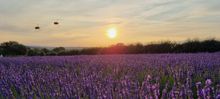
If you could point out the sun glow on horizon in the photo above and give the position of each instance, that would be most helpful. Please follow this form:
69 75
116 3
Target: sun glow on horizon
112 33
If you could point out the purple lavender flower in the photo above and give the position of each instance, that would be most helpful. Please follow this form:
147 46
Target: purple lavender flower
157 76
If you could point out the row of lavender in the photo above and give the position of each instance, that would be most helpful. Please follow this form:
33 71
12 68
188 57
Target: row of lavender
156 76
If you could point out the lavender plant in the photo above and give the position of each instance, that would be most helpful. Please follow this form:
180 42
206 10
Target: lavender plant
158 76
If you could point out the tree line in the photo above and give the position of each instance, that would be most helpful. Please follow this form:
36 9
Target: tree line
13 48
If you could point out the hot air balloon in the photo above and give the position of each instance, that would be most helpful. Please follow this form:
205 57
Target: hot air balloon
56 23
37 28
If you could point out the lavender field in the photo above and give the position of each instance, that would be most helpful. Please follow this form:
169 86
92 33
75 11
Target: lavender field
156 76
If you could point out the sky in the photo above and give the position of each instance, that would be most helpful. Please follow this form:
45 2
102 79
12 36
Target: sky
83 23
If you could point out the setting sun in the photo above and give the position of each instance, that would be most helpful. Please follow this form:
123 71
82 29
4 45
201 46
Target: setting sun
112 33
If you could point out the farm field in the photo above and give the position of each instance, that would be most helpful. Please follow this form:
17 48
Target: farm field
143 76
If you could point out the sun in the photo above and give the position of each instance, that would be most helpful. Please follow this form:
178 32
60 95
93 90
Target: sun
112 33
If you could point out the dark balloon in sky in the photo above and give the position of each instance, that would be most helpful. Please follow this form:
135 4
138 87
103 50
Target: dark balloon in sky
37 28
56 23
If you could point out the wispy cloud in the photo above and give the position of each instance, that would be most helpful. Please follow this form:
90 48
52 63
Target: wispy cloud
86 19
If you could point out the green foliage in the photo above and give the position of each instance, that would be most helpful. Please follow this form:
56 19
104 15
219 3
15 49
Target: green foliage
166 79
35 52
12 48
15 93
141 76
58 50
107 71
1 96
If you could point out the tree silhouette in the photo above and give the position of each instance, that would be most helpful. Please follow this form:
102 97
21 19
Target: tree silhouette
13 48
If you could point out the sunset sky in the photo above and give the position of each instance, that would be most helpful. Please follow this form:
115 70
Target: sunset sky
84 23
